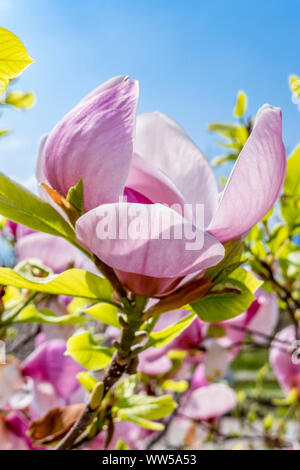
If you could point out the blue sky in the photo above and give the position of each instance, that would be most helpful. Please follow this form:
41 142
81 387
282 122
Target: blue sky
190 56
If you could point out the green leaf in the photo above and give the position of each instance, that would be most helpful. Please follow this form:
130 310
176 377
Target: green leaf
223 306
292 180
231 157
144 423
87 352
86 380
278 237
30 314
106 313
240 104
23 207
143 409
20 99
231 260
75 197
121 445
247 278
12 297
290 202
294 83
177 386
13 58
226 130
126 387
164 337
73 282
4 132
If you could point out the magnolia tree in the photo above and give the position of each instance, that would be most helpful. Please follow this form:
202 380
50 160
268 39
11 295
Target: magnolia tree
165 305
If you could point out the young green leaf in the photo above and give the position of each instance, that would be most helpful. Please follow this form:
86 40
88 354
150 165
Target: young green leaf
164 337
30 314
20 99
73 282
87 352
231 260
223 306
240 104
24 207
143 409
106 313
75 197
13 58
86 380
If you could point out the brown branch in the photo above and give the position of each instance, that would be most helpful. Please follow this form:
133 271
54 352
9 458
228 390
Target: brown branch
109 273
124 360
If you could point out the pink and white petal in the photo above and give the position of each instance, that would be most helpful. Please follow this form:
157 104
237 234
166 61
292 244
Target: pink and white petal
163 143
49 364
266 318
256 179
209 402
147 239
54 252
94 142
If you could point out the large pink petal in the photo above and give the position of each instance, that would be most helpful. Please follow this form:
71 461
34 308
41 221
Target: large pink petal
158 247
209 402
49 364
285 367
94 142
162 142
256 179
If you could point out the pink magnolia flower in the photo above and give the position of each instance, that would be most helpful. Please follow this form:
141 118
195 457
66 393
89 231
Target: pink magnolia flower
208 402
162 166
285 366
54 377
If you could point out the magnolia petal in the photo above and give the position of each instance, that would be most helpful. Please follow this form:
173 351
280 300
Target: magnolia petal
281 358
256 179
162 142
49 364
209 402
94 142
147 239
154 184
54 252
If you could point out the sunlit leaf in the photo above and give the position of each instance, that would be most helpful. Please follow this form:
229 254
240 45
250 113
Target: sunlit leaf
106 313
143 409
87 352
13 58
86 380
73 282
240 104
24 207
30 314
164 337
223 306
20 99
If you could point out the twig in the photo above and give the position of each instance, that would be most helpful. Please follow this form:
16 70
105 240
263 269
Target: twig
124 359
109 273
